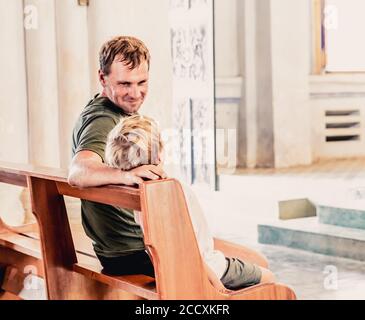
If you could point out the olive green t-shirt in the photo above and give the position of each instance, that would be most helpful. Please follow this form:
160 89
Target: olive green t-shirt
113 230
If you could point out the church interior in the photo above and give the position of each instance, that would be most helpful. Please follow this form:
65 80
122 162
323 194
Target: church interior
262 107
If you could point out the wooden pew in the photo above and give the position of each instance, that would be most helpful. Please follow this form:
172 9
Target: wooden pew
70 268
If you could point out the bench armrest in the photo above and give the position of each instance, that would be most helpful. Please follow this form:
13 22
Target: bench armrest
241 252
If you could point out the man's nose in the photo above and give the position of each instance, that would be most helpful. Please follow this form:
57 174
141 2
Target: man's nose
135 92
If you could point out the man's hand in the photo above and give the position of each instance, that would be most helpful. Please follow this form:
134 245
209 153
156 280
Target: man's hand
136 175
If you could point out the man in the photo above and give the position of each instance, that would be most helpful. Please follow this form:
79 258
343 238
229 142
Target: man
123 74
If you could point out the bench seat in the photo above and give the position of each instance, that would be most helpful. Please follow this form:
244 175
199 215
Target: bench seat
88 265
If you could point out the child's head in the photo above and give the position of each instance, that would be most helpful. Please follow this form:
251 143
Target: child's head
133 142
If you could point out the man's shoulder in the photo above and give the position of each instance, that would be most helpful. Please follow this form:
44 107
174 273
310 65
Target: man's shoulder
99 110
94 123
99 107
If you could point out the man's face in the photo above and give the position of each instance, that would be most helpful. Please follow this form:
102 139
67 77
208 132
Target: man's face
126 88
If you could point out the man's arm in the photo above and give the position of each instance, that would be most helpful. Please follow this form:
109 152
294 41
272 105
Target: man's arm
88 170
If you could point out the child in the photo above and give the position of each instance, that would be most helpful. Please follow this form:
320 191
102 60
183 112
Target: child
136 141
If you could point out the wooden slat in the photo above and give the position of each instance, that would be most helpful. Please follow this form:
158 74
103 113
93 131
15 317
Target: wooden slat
120 196
140 285
33 171
21 244
13 178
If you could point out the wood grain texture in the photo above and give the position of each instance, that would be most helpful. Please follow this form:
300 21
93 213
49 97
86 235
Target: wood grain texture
21 244
13 178
119 196
28 170
140 285
58 251
174 251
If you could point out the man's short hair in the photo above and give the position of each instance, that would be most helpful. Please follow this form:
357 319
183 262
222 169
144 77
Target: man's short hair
129 50
134 141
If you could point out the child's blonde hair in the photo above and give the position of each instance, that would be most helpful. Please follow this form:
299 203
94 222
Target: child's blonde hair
133 142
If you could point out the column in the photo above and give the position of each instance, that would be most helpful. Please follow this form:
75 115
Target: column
13 102
73 70
41 60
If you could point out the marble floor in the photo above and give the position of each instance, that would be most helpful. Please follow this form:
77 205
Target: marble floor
314 276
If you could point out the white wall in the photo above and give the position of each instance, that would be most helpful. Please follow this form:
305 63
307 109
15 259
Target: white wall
345 49
13 104
73 73
290 65
41 59
274 115
226 37
13 97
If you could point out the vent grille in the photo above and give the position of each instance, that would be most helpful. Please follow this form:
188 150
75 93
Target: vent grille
342 125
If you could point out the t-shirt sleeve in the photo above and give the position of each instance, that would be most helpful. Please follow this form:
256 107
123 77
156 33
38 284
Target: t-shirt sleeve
93 136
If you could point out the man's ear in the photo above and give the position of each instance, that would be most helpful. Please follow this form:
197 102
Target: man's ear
102 77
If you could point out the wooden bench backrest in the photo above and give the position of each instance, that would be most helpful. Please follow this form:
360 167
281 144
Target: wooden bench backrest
180 273
169 234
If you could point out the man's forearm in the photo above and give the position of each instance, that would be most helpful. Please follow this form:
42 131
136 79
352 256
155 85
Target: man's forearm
90 174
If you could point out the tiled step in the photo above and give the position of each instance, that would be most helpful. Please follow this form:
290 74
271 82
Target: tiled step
350 218
310 235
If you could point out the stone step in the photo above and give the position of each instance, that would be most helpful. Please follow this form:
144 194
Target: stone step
310 235
350 218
